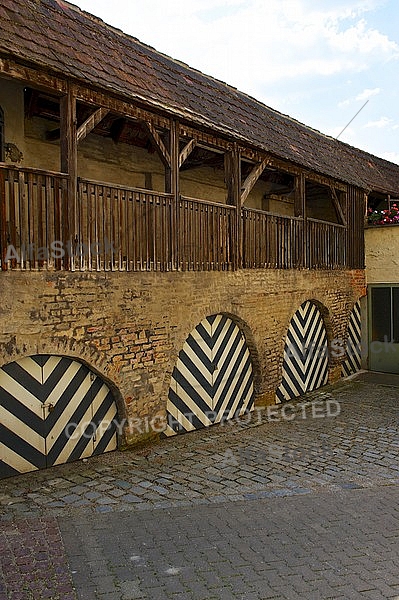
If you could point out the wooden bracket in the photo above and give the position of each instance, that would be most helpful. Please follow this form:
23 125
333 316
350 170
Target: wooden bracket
90 123
185 153
252 179
338 206
164 152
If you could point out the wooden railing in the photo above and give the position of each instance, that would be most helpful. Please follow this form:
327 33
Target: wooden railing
205 234
288 242
123 228
271 241
33 217
325 245
128 229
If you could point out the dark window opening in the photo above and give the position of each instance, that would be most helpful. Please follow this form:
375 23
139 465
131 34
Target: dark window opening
324 203
377 201
275 190
385 314
381 314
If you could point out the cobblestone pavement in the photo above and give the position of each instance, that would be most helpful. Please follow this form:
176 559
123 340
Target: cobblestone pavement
338 545
317 475
33 563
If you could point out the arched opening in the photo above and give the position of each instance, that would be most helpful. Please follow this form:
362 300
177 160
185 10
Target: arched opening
53 410
353 354
212 380
305 361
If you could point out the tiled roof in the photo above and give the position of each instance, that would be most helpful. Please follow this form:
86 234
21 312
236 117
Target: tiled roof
59 37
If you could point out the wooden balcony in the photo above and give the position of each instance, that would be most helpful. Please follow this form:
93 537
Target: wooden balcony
115 228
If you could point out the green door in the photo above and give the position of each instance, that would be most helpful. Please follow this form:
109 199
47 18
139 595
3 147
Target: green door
384 328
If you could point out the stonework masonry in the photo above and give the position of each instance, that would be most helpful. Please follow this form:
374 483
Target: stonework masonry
130 327
382 254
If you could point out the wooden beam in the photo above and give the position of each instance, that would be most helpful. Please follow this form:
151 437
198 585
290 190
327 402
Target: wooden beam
90 123
3 220
252 179
163 151
172 171
207 140
338 206
120 107
69 165
185 153
172 186
232 174
299 198
40 79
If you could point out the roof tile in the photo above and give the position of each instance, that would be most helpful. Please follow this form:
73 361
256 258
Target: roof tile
59 36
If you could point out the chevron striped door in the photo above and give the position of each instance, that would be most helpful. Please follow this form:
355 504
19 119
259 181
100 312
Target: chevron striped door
212 380
352 362
53 410
305 362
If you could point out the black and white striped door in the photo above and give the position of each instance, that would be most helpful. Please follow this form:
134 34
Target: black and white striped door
212 380
352 362
305 363
53 410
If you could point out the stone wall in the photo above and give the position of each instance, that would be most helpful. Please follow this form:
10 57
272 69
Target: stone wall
382 254
130 327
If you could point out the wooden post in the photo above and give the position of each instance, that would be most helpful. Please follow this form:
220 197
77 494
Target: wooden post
300 211
232 170
3 220
69 165
172 186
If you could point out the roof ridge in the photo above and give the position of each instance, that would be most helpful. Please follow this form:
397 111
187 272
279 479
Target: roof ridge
122 33
107 57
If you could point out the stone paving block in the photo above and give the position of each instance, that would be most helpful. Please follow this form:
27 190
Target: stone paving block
260 505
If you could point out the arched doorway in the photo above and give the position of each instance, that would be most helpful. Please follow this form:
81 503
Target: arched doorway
352 362
53 410
305 362
213 377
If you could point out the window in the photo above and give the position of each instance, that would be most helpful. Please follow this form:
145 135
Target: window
324 203
385 314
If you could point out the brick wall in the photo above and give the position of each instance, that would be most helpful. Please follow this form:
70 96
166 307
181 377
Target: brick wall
130 327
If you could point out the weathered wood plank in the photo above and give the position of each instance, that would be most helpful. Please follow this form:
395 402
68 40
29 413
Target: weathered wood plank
41 79
163 151
185 153
232 173
252 179
91 123
337 205
69 165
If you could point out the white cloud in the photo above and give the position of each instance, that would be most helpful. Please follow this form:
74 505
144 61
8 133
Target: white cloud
363 41
253 42
365 94
299 56
380 123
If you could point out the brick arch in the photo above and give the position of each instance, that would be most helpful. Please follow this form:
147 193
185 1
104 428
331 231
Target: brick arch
252 347
304 362
242 323
352 360
90 356
212 378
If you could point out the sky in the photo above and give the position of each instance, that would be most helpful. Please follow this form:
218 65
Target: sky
318 61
